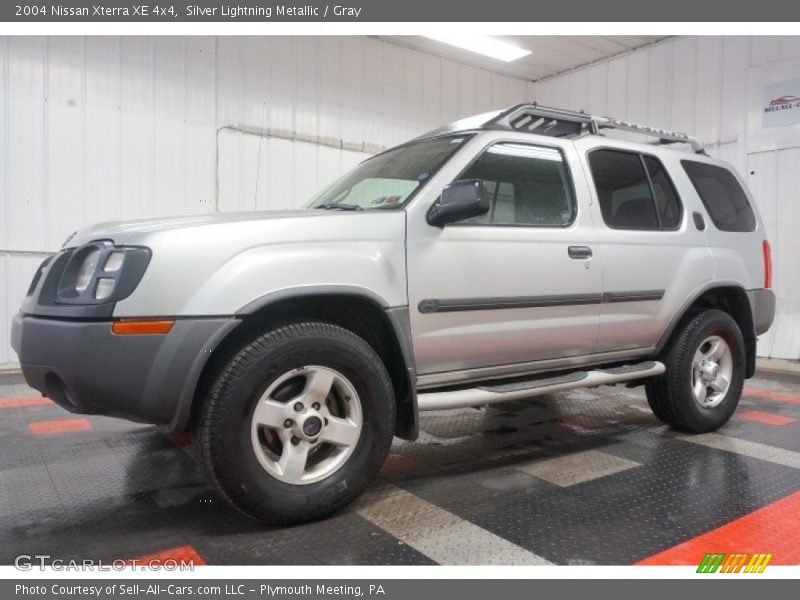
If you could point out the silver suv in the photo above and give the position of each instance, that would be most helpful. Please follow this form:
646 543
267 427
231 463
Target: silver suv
508 255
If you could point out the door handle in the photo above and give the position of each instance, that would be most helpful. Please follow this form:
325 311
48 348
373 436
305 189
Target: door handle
579 252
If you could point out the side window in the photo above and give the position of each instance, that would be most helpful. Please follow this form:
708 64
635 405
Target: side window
723 197
634 191
527 185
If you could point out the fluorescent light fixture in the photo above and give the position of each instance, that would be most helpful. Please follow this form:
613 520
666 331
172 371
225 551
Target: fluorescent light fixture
483 44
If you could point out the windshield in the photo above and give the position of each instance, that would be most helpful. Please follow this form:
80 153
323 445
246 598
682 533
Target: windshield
388 180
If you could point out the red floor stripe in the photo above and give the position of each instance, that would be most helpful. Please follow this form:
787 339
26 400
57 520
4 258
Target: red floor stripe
27 401
765 417
774 528
182 555
59 426
772 395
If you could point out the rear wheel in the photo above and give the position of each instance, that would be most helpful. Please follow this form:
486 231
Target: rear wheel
297 423
705 374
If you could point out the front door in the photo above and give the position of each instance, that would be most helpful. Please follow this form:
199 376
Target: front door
517 285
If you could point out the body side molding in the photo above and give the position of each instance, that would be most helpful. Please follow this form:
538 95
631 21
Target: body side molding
497 303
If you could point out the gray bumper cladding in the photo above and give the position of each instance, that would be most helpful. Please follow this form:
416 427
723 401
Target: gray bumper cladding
85 368
762 303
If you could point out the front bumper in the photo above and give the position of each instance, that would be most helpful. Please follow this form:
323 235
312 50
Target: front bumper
85 368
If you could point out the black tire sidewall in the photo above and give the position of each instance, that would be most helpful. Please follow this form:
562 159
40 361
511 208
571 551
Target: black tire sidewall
248 484
704 325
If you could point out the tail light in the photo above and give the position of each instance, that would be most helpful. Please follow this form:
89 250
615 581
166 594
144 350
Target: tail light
767 264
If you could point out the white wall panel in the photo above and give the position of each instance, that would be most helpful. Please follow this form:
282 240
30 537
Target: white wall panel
579 89
708 100
331 88
6 353
65 187
598 89
448 107
786 333
169 126
351 101
26 166
201 106
637 85
505 91
699 85
137 123
4 154
483 92
102 159
766 49
659 79
684 84
617 93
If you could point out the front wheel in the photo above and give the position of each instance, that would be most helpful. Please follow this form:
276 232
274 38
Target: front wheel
704 377
297 423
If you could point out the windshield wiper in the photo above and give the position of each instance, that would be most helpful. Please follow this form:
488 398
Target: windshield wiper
339 206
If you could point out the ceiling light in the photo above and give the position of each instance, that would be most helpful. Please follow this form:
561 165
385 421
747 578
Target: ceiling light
482 44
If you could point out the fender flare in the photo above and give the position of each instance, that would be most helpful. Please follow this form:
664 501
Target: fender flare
397 317
749 336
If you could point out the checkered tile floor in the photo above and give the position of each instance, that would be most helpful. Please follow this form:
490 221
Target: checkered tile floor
584 477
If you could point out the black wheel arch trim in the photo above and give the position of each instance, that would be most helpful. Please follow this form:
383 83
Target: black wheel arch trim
397 317
760 322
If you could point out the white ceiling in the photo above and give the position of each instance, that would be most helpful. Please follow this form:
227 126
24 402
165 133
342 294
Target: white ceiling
550 54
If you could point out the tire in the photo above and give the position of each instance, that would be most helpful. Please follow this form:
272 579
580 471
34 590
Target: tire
672 395
241 451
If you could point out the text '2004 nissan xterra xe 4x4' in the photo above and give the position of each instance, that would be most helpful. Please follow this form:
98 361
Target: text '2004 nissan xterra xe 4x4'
509 255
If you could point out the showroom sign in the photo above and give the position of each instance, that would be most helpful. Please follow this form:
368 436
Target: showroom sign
773 107
781 103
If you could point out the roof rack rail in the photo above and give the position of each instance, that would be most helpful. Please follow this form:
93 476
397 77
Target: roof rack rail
557 122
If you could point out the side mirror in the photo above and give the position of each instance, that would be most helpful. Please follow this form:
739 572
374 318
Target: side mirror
460 200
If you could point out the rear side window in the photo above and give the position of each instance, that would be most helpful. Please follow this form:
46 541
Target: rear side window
723 197
634 191
526 184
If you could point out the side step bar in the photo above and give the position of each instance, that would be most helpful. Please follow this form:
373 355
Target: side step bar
489 394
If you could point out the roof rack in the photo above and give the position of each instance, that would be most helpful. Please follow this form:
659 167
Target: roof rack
557 122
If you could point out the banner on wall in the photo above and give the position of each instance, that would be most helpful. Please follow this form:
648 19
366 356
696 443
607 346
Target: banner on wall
773 116
781 103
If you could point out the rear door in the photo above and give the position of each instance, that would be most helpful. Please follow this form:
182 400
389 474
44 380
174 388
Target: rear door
654 256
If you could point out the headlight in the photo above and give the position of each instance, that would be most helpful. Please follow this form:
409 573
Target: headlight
114 262
100 272
105 285
86 271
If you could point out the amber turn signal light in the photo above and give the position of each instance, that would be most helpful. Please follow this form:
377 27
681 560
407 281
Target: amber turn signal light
141 327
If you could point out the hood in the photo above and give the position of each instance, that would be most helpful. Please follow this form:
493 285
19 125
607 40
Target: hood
120 232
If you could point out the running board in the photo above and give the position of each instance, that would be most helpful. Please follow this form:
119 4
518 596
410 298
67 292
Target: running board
503 392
